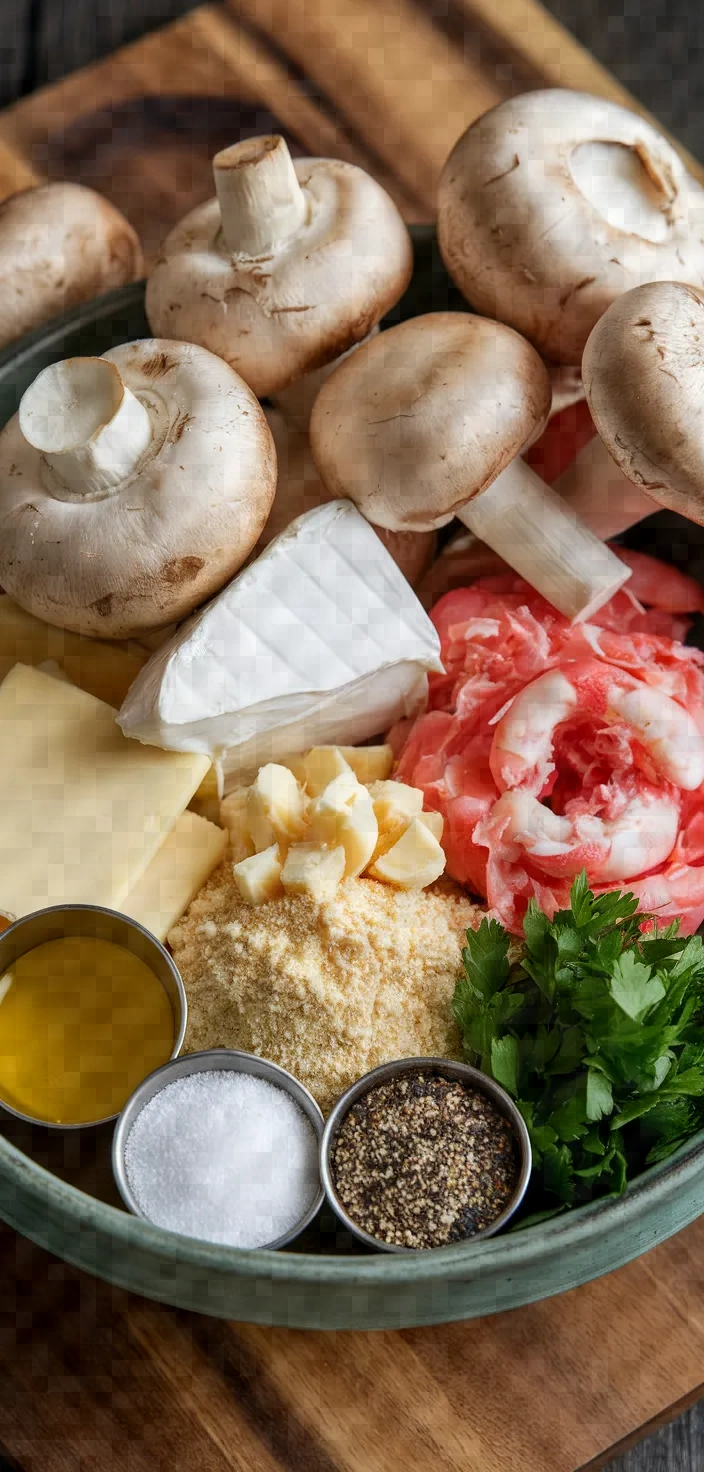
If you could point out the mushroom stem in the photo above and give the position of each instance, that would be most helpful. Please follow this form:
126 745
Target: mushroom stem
86 423
261 201
526 522
595 489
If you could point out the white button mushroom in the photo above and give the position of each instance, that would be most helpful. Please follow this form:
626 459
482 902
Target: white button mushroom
426 422
642 370
299 488
555 203
60 244
289 266
132 487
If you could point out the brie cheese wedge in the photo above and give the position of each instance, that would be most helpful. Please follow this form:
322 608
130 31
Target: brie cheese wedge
320 640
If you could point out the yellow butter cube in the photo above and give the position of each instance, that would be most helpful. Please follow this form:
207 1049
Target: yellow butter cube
369 763
321 765
275 807
311 869
258 878
394 801
344 814
434 822
415 861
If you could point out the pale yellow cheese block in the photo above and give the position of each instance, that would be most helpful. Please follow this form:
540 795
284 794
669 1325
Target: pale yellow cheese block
176 873
83 809
104 670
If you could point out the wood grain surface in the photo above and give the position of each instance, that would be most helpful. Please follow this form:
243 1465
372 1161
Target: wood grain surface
95 1378
92 1377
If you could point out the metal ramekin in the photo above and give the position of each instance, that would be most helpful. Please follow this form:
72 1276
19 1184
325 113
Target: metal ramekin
216 1060
446 1068
100 924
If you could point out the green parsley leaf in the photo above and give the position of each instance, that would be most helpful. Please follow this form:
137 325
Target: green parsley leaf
600 1099
486 957
504 1063
558 1173
581 900
634 987
600 1026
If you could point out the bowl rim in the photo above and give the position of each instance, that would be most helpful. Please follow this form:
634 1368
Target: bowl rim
565 1232
215 1060
440 1067
81 1212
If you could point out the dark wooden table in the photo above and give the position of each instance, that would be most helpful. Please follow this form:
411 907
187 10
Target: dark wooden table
93 1378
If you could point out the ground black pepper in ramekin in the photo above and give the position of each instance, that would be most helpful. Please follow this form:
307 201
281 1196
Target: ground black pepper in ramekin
422 1160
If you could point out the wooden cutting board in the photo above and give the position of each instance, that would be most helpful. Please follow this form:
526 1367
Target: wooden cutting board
93 1378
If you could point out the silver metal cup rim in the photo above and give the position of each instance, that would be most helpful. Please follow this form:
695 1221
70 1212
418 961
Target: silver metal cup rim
450 1068
214 1060
180 1030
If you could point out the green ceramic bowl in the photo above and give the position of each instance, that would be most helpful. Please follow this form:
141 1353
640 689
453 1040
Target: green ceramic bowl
326 1282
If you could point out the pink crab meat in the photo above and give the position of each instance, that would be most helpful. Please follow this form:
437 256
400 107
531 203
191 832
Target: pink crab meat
550 748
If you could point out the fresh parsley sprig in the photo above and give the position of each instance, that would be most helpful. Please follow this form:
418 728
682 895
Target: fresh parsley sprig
597 1031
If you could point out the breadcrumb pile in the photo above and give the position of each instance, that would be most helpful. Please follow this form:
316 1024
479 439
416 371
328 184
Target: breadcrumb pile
327 990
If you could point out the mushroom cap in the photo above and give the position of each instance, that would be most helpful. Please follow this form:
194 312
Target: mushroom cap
554 203
147 552
426 415
299 488
274 318
643 371
60 244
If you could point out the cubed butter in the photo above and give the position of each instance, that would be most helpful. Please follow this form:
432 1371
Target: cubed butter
394 801
344 814
311 869
259 878
275 807
369 763
321 765
394 805
415 861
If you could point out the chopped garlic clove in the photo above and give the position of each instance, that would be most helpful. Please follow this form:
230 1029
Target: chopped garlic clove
258 878
388 836
297 765
414 862
344 814
434 822
394 801
310 869
233 817
394 806
369 763
322 764
275 807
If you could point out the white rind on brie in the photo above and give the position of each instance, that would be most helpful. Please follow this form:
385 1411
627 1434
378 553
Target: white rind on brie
320 640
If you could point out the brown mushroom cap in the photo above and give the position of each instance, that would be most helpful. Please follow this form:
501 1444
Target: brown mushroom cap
555 203
299 488
292 308
643 372
425 416
60 244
